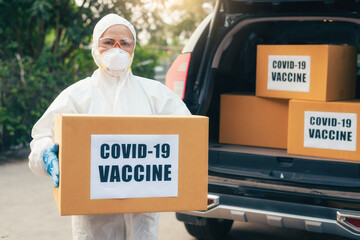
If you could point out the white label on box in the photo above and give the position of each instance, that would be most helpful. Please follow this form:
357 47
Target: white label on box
330 130
134 166
289 73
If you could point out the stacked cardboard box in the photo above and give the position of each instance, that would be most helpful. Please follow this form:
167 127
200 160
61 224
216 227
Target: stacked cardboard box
308 72
324 129
315 79
253 121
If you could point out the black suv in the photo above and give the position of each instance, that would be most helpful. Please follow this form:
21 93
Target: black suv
254 184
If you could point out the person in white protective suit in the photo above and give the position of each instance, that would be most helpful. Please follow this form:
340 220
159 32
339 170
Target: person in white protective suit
112 89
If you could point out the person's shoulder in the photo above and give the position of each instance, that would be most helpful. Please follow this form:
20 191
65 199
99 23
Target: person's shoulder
156 88
166 101
81 84
75 89
148 81
151 83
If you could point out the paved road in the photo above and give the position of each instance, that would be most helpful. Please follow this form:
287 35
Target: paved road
28 211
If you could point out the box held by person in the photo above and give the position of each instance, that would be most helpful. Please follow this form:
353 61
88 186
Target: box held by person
127 164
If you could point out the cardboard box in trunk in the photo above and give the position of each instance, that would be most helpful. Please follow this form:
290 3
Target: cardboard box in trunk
253 121
310 72
127 164
324 129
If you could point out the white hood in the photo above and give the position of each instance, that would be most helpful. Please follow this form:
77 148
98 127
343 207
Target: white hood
106 22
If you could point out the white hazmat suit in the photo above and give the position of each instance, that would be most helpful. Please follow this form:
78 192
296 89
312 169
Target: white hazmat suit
105 93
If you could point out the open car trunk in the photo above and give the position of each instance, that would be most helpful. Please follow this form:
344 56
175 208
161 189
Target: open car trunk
263 184
232 68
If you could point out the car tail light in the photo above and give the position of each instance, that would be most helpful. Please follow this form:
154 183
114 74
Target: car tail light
353 221
212 201
177 74
350 221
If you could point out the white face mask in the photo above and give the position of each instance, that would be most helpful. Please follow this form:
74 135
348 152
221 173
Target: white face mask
115 61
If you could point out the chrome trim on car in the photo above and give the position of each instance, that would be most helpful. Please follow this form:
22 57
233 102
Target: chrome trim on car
342 216
276 219
215 202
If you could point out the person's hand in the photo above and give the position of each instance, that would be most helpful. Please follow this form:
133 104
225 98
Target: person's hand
51 160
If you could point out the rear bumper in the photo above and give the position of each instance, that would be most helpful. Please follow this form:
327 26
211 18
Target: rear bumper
279 214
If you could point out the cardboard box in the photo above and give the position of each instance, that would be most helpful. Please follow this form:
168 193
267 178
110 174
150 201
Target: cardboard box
253 121
309 72
324 129
127 164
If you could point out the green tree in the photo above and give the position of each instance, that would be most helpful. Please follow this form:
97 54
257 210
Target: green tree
43 50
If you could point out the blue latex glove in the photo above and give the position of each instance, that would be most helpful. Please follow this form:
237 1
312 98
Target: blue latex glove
51 160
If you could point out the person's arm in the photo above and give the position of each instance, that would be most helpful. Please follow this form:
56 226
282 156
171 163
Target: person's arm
43 132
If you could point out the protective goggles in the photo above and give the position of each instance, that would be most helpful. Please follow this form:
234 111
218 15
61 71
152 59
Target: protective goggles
125 43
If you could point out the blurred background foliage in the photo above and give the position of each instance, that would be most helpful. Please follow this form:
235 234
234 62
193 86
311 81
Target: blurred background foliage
45 47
